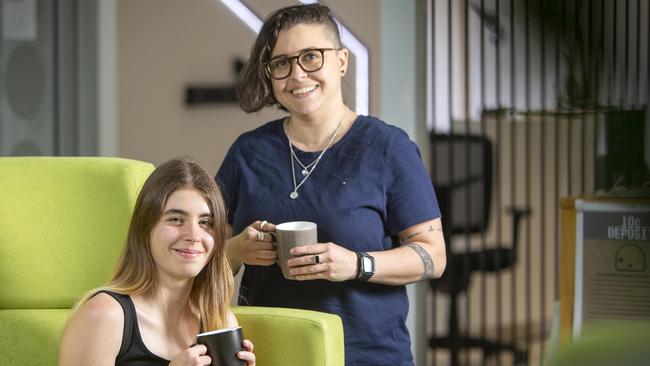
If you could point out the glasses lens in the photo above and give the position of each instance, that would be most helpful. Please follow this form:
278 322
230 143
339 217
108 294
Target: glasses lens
280 67
311 60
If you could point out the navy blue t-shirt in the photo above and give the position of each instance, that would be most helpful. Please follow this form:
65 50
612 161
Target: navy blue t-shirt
367 188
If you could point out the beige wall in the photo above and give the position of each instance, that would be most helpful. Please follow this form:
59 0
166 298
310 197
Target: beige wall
164 45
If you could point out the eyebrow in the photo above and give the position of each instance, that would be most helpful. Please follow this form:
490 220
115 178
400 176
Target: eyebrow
184 213
298 52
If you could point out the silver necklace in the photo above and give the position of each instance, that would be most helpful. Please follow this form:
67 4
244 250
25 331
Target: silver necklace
294 194
305 168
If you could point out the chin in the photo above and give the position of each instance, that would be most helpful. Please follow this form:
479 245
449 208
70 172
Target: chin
191 272
303 109
302 106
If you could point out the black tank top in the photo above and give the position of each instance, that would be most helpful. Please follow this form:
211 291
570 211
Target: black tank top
133 352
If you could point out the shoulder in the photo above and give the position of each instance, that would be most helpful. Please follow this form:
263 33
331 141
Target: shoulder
101 313
102 307
96 326
377 130
383 139
231 320
253 137
249 146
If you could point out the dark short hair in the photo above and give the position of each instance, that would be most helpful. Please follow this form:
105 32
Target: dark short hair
255 90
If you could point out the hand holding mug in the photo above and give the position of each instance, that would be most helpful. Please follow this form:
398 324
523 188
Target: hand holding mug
195 355
227 347
290 235
248 354
322 261
257 244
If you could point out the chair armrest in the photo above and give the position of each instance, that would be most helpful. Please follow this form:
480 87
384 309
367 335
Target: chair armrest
292 337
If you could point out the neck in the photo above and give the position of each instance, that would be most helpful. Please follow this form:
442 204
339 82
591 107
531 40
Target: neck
167 319
313 133
172 296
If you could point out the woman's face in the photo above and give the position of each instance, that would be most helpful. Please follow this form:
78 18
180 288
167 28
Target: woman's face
307 93
183 239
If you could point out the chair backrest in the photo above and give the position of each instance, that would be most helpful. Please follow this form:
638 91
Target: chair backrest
63 223
461 171
293 337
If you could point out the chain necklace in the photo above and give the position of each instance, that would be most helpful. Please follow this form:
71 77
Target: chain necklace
305 168
294 194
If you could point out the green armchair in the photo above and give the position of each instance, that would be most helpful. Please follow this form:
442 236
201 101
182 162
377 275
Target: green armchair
292 337
63 222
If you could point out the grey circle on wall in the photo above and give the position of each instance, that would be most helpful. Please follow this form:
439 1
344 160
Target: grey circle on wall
26 148
25 78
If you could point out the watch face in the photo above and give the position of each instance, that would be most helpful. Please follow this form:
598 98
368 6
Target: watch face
367 265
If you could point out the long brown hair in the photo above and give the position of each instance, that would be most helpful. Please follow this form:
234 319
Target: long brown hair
255 90
135 273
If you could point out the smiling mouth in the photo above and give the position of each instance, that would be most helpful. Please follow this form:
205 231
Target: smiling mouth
187 253
303 91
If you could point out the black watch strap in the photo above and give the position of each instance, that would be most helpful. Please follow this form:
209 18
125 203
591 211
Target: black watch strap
365 266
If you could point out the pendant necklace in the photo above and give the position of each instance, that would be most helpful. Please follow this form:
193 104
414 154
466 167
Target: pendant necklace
305 168
308 169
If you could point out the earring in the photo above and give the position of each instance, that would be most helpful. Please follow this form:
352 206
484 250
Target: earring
342 72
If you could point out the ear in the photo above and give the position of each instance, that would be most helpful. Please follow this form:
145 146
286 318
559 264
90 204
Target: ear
343 55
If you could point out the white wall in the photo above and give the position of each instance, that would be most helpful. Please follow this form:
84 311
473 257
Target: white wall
401 105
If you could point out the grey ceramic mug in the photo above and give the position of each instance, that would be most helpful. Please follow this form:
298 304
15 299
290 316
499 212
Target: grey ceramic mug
223 345
293 234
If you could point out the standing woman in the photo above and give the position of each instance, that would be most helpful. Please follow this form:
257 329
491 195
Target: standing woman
359 179
172 281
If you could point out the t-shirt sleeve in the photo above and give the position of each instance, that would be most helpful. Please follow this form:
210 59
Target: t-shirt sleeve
227 178
410 196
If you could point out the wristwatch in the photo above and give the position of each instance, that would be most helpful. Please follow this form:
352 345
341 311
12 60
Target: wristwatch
365 266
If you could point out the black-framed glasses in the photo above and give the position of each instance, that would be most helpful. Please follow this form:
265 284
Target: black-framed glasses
309 60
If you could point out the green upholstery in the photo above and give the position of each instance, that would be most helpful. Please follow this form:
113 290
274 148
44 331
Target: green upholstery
31 336
616 343
63 222
291 337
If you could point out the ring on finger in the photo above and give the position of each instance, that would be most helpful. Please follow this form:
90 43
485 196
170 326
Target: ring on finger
317 259
260 235
262 225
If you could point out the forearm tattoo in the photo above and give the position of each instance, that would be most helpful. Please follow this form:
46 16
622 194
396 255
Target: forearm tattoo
410 237
426 260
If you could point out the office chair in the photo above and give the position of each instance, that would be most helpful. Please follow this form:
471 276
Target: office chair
462 176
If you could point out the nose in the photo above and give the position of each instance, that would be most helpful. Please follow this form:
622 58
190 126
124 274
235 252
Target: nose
192 232
296 70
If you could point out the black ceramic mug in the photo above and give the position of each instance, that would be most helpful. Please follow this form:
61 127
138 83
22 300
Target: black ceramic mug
223 345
